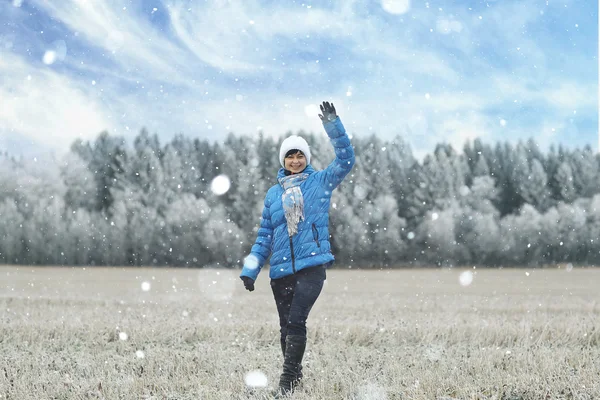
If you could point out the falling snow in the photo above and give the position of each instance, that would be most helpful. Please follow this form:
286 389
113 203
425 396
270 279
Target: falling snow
160 205
256 379
569 267
466 278
396 6
251 262
220 185
49 57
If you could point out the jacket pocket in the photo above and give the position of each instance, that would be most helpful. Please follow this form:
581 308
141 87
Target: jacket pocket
316 235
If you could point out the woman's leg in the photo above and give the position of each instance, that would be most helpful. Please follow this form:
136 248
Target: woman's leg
309 283
283 292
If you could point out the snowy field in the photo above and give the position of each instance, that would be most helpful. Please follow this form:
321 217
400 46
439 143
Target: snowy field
100 333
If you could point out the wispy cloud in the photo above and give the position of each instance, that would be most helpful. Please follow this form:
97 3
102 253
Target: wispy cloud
127 40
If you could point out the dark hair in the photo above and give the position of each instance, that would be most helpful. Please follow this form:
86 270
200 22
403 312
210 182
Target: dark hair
292 151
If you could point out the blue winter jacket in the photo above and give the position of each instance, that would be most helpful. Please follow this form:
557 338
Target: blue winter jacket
310 246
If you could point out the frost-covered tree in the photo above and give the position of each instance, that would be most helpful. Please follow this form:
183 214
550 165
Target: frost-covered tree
80 244
564 183
480 196
482 238
481 167
375 233
436 234
80 183
173 169
220 231
144 236
107 203
436 183
401 161
503 171
185 220
388 237
571 231
478 230
105 158
478 156
11 233
44 233
349 233
243 201
535 191
592 237
585 172
551 165
524 230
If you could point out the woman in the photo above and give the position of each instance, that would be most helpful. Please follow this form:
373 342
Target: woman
294 232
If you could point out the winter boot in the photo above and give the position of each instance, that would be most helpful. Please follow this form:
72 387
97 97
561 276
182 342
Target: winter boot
294 351
299 376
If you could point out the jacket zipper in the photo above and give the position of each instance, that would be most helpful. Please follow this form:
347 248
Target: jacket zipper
293 257
316 235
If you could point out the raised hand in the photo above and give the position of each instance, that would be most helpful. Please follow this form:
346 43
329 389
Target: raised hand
327 112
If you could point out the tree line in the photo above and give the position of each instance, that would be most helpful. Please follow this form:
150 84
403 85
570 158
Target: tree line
146 204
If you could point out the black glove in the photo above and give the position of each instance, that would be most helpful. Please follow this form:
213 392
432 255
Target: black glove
328 112
248 283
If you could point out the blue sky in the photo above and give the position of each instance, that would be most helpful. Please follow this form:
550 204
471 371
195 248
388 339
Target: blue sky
437 71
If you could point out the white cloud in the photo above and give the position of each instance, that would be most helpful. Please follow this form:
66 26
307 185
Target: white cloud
451 102
547 134
461 128
454 129
250 117
571 96
565 96
409 61
45 106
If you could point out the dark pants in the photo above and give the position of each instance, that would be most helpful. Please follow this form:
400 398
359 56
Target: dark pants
295 295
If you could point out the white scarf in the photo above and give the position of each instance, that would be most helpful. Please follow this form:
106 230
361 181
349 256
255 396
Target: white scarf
293 200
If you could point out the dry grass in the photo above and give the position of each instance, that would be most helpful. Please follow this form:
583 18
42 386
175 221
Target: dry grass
408 334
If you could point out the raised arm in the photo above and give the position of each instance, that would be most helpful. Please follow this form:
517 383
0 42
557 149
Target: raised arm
261 250
344 153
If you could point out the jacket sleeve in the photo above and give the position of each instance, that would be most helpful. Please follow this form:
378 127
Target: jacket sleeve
261 250
344 153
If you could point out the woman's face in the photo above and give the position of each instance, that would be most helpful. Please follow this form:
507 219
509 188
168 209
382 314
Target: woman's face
295 163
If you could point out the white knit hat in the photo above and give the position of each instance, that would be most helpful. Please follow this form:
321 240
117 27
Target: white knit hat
294 143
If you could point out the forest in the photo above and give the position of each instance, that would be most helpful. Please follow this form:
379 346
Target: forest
109 202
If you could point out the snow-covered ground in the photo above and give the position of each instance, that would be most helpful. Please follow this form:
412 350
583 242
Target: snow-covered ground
189 334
